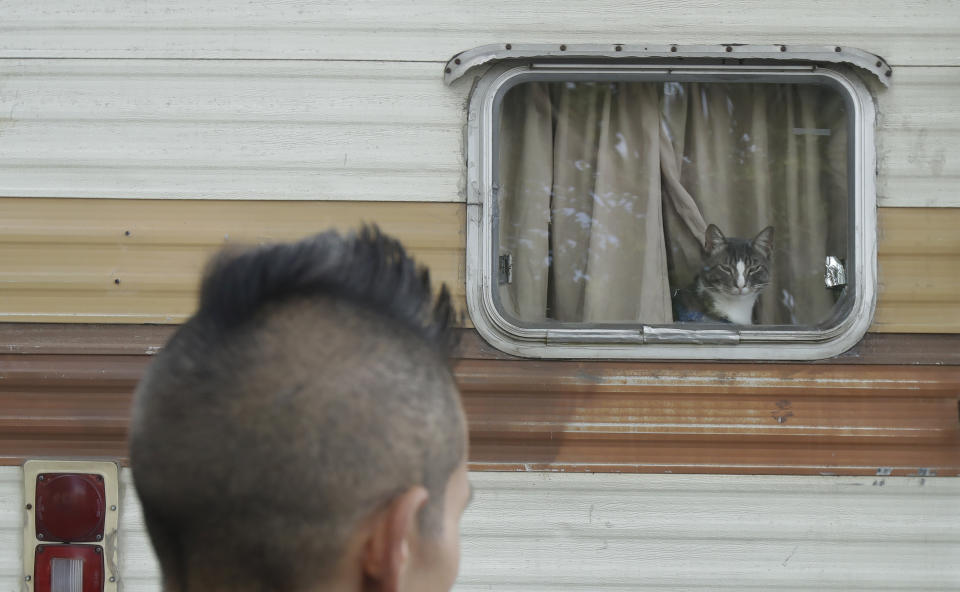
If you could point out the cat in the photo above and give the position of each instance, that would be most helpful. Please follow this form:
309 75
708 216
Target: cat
734 273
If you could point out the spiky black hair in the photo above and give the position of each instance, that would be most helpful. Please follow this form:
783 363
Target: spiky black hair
368 269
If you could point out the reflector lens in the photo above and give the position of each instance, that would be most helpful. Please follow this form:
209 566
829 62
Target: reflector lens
68 568
71 507
66 575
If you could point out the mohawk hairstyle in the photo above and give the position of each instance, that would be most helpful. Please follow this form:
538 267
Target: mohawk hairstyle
369 269
311 386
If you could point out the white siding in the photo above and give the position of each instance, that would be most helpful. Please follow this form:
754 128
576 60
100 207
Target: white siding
338 100
906 32
11 528
229 129
251 129
540 532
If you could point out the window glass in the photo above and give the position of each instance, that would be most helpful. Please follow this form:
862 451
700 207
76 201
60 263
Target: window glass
672 202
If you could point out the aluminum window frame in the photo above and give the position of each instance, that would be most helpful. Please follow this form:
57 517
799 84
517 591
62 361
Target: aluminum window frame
674 341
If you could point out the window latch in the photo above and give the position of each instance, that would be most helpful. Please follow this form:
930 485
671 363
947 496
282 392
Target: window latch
505 268
835 274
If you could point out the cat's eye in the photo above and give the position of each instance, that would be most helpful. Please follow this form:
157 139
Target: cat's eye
599 188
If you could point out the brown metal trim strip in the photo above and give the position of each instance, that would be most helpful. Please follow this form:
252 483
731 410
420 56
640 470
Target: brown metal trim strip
580 416
117 339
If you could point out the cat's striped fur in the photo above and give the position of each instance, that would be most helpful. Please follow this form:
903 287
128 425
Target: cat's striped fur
734 272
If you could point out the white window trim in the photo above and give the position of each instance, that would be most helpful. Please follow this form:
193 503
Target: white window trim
642 341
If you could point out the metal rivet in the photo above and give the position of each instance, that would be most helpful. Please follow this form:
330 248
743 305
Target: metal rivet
117 281
618 48
40 477
888 73
113 579
29 506
783 48
40 536
457 61
673 48
98 550
563 48
447 70
879 63
113 508
27 578
837 49
728 48
509 46
99 537
126 233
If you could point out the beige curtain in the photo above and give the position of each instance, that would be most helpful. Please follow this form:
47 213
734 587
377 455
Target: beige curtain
603 184
755 155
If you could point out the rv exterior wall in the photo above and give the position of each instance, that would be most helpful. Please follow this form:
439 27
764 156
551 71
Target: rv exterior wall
136 138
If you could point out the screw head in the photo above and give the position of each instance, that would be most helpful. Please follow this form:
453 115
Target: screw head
99 537
113 579
113 508
29 506
27 578
40 535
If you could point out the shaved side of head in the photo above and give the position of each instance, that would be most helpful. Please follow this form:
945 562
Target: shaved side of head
310 388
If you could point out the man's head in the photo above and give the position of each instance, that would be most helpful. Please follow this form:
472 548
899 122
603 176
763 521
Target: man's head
302 430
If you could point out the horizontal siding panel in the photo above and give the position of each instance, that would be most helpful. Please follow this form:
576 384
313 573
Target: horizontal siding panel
228 129
63 260
617 532
918 279
910 32
580 416
11 528
536 532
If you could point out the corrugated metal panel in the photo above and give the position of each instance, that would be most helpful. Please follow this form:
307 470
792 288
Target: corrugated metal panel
908 32
60 258
547 532
330 130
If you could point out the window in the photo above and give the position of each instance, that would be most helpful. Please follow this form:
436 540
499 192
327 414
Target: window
671 204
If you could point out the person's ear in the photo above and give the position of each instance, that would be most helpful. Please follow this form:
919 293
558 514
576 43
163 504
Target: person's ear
387 552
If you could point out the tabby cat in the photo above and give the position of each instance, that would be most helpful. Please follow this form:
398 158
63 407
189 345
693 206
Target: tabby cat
734 272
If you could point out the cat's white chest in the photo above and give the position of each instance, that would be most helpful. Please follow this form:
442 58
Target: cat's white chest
738 309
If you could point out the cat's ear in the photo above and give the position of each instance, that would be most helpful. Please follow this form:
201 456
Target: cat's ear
763 242
713 239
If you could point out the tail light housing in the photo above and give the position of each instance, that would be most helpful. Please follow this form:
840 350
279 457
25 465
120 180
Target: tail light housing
70 534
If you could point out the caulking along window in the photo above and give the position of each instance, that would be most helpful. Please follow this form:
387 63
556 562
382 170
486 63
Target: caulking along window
707 206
